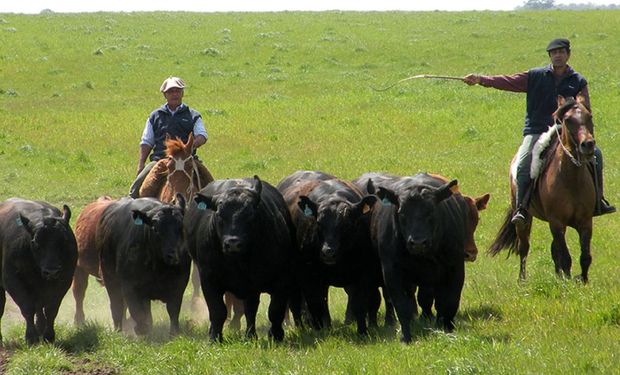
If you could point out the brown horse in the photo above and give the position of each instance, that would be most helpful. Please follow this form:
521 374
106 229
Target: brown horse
564 194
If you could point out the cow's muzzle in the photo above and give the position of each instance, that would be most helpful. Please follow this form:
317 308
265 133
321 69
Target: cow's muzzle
417 246
50 273
231 244
328 254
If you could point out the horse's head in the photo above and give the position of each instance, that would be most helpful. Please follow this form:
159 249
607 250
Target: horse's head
577 127
180 164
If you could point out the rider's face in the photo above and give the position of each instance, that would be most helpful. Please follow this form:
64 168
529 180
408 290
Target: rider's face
174 96
559 57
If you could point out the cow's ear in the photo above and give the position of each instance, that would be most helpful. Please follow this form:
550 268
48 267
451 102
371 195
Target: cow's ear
179 201
141 218
308 207
445 191
66 213
370 187
387 196
481 202
23 221
365 205
205 202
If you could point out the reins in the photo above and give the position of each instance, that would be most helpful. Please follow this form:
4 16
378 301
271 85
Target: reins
577 160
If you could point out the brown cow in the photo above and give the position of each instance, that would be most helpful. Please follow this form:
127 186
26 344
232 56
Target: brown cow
88 258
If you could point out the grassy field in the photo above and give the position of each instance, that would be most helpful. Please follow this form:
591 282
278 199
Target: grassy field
286 91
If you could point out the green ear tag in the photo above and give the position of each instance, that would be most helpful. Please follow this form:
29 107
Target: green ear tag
138 221
19 221
385 202
202 206
307 211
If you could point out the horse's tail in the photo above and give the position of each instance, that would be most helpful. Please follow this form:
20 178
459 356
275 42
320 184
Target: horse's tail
506 237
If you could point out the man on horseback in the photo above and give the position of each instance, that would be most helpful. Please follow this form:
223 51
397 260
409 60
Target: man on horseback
543 85
173 119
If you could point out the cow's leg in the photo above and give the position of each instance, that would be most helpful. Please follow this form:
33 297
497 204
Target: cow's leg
426 297
359 304
217 310
448 297
50 311
390 314
39 320
2 305
401 298
140 311
173 306
25 300
348 314
117 303
326 317
234 308
80 283
373 304
523 247
585 236
559 250
314 303
250 304
277 310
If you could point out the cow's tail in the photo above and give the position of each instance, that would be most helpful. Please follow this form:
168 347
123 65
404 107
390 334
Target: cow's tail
506 237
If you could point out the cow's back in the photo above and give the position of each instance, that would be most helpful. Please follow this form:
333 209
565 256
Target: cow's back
85 230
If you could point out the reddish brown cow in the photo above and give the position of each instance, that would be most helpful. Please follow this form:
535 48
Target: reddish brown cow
88 258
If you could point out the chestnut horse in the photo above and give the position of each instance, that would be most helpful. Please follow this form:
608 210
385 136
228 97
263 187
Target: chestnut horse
564 194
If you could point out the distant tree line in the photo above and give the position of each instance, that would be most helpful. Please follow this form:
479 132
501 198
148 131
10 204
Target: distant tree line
550 4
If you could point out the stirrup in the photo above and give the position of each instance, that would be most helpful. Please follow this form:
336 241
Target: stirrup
604 208
519 218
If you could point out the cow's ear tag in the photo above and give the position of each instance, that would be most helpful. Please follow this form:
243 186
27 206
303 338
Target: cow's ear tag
385 202
202 206
138 221
307 211
19 221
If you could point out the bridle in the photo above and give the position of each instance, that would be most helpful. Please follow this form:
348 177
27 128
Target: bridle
179 166
575 160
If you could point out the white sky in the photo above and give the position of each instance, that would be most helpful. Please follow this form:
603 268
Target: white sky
61 6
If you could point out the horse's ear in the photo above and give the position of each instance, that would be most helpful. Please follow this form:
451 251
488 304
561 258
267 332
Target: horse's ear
561 101
582 100
190 141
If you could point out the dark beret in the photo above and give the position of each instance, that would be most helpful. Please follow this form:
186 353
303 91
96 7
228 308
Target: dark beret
558 43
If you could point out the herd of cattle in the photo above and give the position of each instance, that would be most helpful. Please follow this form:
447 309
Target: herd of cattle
293 241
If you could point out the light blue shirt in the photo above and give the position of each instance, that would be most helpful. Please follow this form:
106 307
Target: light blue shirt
148 136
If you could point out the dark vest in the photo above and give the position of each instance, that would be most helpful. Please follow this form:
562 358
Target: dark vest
180 125
542 94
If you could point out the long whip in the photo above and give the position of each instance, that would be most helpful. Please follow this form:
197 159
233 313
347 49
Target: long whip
432 76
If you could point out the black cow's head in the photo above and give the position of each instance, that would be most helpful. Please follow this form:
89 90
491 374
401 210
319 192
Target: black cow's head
416 213
337 223
50 239
235 214
165 222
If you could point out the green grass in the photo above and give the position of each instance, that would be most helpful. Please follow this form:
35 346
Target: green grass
286 91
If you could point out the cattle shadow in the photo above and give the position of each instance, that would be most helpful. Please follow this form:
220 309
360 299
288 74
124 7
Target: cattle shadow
85 339
484 312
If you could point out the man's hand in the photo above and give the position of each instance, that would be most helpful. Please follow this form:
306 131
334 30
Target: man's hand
472 79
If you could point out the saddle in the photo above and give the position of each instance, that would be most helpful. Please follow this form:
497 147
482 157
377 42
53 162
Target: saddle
546 142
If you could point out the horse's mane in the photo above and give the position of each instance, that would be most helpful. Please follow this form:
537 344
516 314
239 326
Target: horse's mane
174 147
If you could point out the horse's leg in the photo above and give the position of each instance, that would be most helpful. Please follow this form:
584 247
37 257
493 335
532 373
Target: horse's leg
523 246
585 235
559 250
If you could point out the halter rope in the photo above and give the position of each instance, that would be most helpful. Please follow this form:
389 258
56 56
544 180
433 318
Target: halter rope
179 166
575 161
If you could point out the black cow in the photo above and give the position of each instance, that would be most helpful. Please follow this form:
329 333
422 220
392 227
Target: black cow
143 258
331 217
419 229
39 253
240 234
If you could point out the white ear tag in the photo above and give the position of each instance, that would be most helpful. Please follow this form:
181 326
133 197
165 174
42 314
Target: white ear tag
138 221
307 211
202 206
